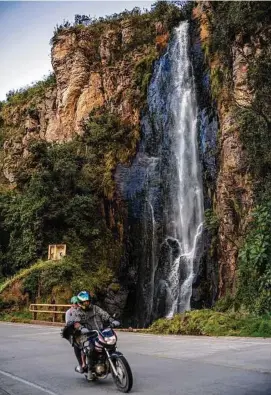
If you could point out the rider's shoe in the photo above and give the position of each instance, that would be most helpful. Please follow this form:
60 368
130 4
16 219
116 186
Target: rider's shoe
79 369
90 376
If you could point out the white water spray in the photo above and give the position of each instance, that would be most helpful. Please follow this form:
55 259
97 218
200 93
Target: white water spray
185 198
188 204
164 190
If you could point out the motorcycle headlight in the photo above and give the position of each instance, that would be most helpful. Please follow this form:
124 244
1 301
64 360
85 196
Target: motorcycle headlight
110 340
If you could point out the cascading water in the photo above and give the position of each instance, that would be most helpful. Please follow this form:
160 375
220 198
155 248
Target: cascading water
163 188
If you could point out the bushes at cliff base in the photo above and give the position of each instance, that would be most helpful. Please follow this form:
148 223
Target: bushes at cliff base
254 263
46 279
213 323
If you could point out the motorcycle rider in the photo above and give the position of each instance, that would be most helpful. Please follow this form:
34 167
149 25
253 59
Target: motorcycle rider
89 316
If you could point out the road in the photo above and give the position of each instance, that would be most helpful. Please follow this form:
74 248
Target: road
35 360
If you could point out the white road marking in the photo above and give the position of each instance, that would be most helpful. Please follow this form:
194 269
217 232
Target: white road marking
12 376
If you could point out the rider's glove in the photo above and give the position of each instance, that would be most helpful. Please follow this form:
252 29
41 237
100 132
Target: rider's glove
115 323
84 330
77 332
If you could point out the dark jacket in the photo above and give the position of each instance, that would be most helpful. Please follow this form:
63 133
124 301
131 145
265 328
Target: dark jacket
93 318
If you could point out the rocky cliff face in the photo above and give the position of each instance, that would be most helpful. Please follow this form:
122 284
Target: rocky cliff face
94 67
233 198
234 187
23 122
91 72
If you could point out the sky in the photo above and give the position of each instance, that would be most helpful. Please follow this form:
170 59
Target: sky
26 28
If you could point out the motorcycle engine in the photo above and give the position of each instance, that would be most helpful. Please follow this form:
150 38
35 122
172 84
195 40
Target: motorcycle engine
100 368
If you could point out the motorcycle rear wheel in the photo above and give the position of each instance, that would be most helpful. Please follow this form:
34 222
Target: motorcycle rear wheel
124 379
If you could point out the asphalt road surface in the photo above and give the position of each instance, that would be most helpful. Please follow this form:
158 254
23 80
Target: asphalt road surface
35 360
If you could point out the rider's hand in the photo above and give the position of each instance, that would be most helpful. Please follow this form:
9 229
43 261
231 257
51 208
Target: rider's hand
115 323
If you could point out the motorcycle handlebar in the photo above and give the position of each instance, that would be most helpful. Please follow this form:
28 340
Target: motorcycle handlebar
93 332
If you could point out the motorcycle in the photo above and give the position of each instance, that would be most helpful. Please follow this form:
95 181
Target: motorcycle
107 359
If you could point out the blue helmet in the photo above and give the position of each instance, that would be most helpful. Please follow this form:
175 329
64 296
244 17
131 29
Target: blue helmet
83 296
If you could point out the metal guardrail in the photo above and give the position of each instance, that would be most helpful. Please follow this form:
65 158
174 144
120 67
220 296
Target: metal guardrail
47 308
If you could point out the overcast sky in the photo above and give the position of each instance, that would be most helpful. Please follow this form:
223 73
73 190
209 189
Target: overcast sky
26 28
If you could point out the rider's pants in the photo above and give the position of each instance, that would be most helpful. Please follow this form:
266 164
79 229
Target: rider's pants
77 352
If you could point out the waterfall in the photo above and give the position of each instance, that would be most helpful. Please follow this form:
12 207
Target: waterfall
164 183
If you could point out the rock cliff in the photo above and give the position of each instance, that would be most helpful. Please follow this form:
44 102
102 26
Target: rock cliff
233 198
94 67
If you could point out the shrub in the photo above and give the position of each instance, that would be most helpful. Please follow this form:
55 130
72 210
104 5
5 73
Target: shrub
142 74
254 267
212 323
38 89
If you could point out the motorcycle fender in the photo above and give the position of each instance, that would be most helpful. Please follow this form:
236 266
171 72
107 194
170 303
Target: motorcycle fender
116 354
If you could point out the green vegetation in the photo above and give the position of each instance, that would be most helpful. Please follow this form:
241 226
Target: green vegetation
56 201
164 11
62 195
3 134
254 269
143 73
212 224
255 123
213 323
211 220
24 95
170 14
56 278
109 141
218 76
229 19
16 316
24 273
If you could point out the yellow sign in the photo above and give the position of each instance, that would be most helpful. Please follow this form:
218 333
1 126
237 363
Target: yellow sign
56 252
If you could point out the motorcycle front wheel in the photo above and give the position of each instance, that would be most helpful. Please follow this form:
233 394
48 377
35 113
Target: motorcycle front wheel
124 378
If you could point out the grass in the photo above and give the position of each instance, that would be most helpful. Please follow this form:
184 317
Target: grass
213 323
16 316
40 265
37 89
